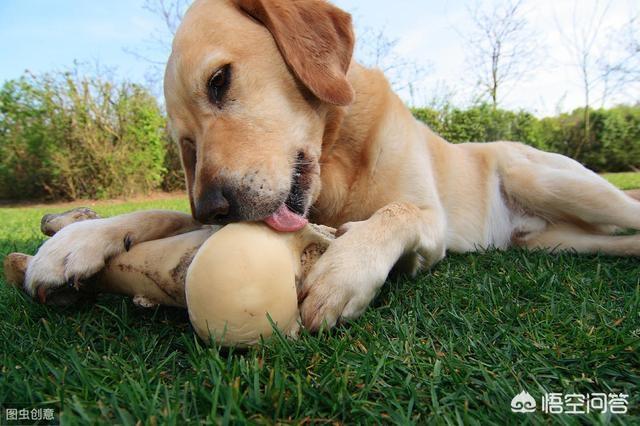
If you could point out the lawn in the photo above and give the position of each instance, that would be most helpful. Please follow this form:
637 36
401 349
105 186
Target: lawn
452 346
629 180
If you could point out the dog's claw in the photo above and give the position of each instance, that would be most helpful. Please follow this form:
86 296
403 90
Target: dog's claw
127 242
73 283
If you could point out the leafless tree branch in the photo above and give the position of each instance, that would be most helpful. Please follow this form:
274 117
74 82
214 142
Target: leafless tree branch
502 48
375 49
171 12
582 41
156 48
623 71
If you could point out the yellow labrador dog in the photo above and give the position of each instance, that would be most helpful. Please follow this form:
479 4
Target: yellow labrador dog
276 122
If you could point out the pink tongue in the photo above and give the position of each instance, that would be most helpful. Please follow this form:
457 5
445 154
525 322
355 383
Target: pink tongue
284 220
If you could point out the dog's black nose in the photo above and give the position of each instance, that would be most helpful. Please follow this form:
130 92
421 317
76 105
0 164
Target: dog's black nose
213 206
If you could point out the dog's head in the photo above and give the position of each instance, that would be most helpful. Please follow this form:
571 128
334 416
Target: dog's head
248 87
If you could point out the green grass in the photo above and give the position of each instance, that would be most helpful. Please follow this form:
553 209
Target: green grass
629 180
452 346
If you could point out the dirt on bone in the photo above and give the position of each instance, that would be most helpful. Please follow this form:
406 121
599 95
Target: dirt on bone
172 290
179 273
309 257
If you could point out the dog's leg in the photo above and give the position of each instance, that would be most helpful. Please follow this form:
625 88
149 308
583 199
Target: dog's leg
79 250
559 189
567 237
346 278
633 193
52 223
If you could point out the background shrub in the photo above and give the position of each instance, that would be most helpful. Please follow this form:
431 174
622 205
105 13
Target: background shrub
174 179
66 137
612 143
482 123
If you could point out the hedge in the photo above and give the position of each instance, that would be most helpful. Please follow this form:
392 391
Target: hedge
68 137
613 142
65 136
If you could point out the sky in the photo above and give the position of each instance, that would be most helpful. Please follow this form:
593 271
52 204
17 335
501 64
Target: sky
46 35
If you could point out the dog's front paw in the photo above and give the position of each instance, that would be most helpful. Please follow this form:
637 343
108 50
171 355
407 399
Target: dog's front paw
77 252
341 284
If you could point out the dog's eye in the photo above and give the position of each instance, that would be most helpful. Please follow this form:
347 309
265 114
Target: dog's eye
218 84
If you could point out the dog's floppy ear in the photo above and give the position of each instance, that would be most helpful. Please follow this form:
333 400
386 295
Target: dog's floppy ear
316 40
